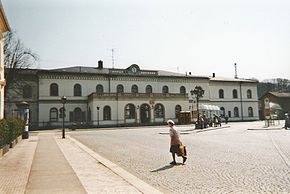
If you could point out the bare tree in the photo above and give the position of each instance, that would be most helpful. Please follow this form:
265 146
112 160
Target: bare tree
273 85
282 85
17 57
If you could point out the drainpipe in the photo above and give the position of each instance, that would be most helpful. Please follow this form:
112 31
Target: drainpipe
241 97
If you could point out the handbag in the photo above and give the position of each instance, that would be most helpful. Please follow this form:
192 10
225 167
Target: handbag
182 150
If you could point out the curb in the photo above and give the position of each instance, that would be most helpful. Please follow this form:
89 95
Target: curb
281 153
196 130
265 128
131 179
211 129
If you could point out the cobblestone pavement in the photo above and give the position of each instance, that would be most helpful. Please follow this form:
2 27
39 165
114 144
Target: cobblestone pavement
229 160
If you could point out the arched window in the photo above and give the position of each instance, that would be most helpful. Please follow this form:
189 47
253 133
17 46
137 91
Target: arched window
236 112
53 115
78 115
177 110
27 91
165 90
107 113
250 112
134 89
235 93
221 93
100 89
77 90
182 90
53 89
120 88
222 111
130 111
61 112
249 94
159 111
148 89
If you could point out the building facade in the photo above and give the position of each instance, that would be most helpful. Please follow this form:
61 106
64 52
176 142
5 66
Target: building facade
237 98
4 27
274 104
98 96
25 90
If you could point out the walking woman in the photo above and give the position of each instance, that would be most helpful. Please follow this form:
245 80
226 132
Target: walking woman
175 143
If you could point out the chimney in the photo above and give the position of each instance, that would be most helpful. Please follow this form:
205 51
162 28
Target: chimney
213 74
100 64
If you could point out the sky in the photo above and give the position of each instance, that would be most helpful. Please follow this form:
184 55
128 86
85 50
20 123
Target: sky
197 36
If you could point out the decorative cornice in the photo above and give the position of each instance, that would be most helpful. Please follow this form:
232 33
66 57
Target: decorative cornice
131 96
73 77
4 22
115 78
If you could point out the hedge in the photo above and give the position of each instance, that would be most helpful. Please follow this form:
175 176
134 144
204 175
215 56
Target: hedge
10 129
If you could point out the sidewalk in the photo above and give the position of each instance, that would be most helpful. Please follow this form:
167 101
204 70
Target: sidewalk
46 163
15 166
50 172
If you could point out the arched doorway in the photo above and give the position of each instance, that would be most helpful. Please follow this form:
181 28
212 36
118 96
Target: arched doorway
145 113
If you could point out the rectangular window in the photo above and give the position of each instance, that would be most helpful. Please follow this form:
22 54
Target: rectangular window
71 116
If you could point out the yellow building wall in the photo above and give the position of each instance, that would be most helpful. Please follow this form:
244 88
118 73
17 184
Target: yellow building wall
4 27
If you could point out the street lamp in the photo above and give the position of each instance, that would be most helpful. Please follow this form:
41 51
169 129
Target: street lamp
98 111
63 101
198 92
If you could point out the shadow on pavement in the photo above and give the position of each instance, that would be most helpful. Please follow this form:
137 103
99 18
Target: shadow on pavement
166 167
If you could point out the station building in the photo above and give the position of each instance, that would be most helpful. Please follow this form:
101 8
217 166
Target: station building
98 96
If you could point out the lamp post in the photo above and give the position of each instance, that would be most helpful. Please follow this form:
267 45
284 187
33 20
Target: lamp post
98 111
63 101
198 92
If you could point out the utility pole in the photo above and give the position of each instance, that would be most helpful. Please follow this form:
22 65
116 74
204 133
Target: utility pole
113 60
236 71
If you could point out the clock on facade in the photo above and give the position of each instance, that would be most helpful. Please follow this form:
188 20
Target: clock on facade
134 69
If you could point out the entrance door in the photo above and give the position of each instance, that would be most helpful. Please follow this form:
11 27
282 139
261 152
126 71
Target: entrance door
145 113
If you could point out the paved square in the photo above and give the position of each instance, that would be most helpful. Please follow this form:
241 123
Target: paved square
229 160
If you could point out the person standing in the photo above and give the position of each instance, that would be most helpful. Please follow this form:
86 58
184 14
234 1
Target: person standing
226 118
286 121
175 143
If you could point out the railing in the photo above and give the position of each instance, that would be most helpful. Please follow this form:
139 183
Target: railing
140 95
125 71
89 124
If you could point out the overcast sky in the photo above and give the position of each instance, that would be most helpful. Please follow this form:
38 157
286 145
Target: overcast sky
198 36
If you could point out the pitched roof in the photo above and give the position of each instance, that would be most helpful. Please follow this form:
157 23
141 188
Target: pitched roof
95 70
127 71
280 95
80 69
226 79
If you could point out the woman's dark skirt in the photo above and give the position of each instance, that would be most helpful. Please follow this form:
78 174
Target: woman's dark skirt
174 148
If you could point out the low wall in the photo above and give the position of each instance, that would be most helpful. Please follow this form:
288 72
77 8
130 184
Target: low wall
12 144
